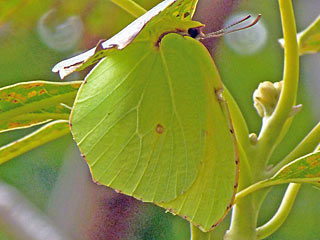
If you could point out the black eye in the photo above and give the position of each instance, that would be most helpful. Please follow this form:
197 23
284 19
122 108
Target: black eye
193 32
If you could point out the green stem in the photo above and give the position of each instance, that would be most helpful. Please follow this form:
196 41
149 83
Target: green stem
197 234
45 134
131 7
306 146
245 212
244 220
238 121
270 183
274 125
282 213
253 188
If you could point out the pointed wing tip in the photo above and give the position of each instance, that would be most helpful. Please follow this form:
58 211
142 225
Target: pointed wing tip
63 74
55 68
59 69
64 70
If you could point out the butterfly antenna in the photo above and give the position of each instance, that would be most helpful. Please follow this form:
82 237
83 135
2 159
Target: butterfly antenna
224 31
233 24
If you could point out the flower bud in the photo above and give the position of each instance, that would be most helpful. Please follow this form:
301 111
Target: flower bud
266 97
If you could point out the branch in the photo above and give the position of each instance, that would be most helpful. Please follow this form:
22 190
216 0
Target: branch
197 234
281 215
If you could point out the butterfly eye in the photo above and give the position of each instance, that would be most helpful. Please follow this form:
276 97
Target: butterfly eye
193 32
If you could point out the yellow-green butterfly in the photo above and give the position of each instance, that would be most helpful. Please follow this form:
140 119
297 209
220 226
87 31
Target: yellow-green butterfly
150 120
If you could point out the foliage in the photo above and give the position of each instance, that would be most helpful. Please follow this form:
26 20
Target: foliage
309 39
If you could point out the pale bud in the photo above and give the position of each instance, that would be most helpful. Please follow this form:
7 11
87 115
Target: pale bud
266 97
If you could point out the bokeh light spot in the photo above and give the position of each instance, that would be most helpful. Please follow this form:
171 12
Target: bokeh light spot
63 36
249 41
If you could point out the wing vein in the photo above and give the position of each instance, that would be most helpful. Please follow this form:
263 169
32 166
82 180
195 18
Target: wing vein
109 129
116 87
175 111
121 150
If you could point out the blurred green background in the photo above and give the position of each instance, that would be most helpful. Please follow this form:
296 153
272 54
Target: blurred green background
53 182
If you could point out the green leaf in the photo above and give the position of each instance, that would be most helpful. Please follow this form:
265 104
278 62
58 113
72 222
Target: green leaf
302 170
309 39
31 103
47 133
175 10
150 122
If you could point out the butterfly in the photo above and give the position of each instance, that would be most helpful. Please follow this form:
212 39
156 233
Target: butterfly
150 119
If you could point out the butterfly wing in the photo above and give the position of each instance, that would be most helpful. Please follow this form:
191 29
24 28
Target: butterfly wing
210 197
139 127
181 9
150 125
118 41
